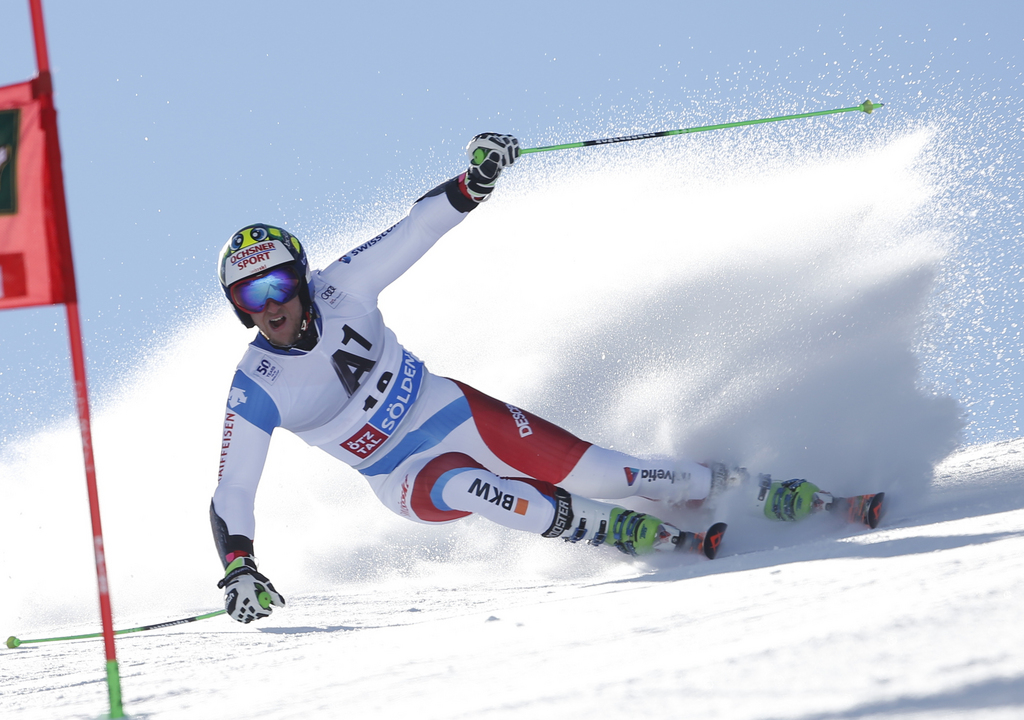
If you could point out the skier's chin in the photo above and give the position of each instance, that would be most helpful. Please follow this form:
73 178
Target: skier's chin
284 336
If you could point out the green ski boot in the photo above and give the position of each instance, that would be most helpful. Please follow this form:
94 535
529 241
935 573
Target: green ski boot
793 499
580 519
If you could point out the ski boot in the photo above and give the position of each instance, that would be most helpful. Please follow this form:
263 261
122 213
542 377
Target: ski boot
635 533
791 500
580 519
796 499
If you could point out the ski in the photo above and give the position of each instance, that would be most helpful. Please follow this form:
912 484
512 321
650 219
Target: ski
705 542
867 509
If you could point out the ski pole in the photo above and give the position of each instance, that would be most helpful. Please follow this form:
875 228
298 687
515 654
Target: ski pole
13 642
867 106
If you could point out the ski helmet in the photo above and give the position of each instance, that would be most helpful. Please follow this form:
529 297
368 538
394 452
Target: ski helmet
255 249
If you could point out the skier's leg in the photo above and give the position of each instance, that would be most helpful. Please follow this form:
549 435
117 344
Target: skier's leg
611 474
454 485
527 444
442 470
530 445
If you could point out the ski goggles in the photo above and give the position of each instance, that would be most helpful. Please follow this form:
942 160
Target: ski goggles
279 284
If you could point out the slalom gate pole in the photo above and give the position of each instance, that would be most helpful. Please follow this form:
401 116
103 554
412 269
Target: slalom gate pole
58 219
867 106
13 642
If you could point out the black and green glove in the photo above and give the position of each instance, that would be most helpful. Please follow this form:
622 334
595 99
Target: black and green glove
489 154
248 595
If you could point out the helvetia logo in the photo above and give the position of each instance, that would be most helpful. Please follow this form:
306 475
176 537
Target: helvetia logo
649 475
659 474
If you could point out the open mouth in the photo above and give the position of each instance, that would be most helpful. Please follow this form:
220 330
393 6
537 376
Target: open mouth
276 323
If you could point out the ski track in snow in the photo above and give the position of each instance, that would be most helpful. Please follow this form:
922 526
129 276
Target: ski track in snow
767 314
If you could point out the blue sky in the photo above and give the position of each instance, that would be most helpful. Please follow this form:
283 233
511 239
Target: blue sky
180 122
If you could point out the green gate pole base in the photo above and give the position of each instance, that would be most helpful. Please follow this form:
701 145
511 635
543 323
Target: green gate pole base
114 685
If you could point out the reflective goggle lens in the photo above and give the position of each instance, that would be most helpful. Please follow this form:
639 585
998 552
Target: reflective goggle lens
279 284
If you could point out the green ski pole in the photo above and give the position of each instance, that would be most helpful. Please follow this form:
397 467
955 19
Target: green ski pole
13 642
867 106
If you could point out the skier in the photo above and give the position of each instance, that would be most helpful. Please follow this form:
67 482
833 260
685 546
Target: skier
326 367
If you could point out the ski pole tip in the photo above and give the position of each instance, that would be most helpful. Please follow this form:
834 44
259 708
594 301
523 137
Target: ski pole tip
13 642
867 106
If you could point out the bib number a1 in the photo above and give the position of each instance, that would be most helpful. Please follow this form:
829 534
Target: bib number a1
351 367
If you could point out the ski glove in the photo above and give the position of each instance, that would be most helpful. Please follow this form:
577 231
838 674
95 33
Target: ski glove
248 595
488 154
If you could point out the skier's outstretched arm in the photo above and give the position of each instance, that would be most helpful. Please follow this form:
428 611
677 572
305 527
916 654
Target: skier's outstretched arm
367 269
249 420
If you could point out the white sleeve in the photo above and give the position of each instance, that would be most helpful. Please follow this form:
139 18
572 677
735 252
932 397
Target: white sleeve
240 471
369 268
249 420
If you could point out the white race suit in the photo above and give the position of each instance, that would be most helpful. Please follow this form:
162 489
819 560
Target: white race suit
433 449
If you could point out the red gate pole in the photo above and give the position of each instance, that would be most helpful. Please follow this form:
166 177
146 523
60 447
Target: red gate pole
58 219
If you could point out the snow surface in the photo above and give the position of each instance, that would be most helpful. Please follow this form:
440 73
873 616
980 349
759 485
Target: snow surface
919 618
737 297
